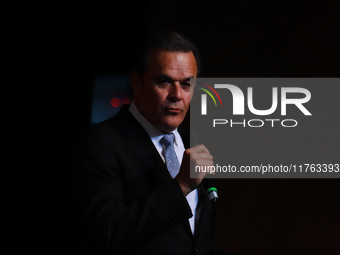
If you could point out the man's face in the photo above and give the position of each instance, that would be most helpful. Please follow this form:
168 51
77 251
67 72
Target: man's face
163 94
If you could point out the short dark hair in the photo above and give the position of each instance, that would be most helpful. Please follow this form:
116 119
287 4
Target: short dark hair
168 41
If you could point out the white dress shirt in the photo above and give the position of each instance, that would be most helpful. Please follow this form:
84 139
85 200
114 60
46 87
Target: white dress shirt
156 136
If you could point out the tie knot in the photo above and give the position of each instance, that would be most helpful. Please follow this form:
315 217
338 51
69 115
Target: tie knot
168 139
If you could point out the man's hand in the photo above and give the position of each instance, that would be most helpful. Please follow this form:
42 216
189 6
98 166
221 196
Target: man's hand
195 156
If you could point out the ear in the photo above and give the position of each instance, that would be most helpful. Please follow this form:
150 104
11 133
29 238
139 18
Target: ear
136 83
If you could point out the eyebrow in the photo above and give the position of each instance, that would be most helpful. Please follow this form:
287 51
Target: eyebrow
167 77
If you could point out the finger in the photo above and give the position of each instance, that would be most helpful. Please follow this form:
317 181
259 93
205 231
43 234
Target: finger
204 162
199 148
201 156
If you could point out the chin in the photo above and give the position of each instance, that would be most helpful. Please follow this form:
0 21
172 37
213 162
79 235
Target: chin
170 128
170 124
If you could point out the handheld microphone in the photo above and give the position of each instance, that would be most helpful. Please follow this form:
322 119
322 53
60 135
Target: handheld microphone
210 190
208 186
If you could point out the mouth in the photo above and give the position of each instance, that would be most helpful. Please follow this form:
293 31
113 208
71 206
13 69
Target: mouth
173 110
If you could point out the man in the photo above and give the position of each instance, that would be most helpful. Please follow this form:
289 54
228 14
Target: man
125 199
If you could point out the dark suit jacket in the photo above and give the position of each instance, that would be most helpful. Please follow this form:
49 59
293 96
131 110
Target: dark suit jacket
123 198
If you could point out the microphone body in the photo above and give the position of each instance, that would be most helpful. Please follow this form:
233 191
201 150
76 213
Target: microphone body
207 184
210 190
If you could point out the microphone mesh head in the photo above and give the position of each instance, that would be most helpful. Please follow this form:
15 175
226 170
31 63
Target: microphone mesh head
213 196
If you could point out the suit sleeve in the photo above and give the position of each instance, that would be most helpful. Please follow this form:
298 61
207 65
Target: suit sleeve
97 193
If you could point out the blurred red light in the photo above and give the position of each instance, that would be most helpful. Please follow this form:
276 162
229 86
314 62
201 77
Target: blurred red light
115 102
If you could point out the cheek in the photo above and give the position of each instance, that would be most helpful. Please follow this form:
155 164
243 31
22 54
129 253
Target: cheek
159 98
151 96
156 102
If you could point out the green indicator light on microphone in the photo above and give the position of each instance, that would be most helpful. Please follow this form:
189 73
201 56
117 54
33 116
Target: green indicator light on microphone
212 194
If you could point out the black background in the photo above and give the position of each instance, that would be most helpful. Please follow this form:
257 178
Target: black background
50 54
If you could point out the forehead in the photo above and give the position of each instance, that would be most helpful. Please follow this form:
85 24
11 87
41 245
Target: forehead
174 64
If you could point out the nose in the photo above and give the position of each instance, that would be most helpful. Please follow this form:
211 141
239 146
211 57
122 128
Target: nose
175 92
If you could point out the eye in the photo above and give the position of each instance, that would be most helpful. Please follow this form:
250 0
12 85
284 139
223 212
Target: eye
186 85
163 82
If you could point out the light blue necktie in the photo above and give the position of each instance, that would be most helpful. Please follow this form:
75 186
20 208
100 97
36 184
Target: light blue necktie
171 159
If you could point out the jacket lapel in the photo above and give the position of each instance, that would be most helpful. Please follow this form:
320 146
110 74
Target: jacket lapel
185 134
191 139
142 146
199 209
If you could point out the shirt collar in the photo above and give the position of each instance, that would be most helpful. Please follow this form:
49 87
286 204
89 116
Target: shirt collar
153 132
